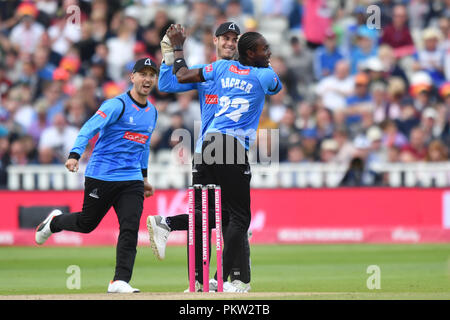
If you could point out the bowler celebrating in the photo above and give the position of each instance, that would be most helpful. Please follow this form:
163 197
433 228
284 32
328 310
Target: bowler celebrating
241 89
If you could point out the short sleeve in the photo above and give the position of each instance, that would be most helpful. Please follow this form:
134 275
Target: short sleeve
210 70
269 81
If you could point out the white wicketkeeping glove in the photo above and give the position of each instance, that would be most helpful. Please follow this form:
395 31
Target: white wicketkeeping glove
167 50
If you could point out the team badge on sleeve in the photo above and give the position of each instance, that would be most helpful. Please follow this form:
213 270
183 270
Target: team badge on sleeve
101 114
209 68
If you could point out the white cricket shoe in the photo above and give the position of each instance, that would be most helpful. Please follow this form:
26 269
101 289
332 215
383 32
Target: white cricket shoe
120 286
212 285
158 234
236 286
43 229
198 287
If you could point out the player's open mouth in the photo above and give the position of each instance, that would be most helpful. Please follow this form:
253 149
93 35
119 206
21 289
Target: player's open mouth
146 86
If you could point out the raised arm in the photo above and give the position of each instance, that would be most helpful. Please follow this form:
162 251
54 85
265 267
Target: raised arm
177 37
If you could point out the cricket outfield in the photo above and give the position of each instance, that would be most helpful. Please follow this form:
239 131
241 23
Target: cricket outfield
338 271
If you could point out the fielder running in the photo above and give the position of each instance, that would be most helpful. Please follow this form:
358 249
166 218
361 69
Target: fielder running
116 175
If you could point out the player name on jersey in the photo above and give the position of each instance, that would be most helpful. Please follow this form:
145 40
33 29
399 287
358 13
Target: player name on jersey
236 83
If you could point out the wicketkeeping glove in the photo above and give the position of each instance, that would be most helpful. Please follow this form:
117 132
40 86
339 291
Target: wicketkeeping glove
167 50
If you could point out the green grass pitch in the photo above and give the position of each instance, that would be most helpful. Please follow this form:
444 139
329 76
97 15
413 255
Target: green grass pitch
329 271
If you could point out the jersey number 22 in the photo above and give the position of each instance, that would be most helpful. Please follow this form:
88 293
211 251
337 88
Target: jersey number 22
239 104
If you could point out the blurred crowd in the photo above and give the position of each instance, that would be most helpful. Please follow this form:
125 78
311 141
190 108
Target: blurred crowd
362 84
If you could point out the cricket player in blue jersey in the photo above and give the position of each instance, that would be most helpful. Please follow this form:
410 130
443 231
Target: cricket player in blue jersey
225 41
116 175
241 89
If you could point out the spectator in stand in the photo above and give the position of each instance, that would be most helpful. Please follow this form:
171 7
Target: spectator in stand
443 119
120 51
324 123
377 152
47 156
328 151
188 107
201 18
39 123
395 91
86 45
44 68
357 175
12 65
151 40
277 105
91 94
286 128
161 22
305 115
379 101
416 148
300 63
176 123
59 136
326 56
5 83
316 21
392 137
63 35
397 34
99 26
288 77
431 58
9 111
295 15
345 146
295 153
334 89
310 145
97 70
23 111
26 35
374 69
18 153
365 48
437 152
54 94
358 102
427 123
276 8
421 91
390 66
28 75
75 111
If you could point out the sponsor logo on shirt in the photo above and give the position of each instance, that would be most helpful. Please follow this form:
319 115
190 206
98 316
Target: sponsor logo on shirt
101 114
211 99
236 70
137 137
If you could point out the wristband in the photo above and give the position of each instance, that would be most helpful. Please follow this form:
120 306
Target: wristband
74 155
178 64
178 49
144 173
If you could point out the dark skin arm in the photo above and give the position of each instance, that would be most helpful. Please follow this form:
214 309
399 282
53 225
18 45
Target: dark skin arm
177 37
